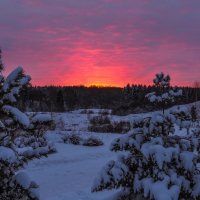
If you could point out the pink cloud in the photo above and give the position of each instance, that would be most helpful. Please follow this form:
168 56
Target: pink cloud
101 42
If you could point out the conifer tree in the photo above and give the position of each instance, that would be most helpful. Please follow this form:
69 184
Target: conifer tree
194 113
163 93
14 125
158 164
11 119
60 101
1 62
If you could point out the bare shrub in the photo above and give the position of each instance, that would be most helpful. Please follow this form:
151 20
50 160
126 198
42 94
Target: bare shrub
76 139
92 141
103 123
100 120
121 127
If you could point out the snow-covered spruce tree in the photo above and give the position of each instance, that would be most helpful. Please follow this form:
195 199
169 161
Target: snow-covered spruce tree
164 94
158 165
12 185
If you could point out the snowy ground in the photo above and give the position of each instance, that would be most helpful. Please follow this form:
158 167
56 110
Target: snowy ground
69 173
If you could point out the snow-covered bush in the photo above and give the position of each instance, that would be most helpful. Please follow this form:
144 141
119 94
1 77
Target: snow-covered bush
29 142
183 117
77 139
164 93
12 185
99 123
72 139
157 166
32 143
157 124
41 123
32 147
16 186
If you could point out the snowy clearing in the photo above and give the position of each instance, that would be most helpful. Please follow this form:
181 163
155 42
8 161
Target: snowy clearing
69 173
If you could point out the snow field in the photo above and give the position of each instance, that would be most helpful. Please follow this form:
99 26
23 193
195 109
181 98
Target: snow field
69 174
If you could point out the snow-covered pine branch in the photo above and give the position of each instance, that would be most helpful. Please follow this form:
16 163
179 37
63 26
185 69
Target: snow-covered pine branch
13 85
12 185
17 115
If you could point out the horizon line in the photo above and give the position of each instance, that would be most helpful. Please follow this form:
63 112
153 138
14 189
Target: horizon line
108 86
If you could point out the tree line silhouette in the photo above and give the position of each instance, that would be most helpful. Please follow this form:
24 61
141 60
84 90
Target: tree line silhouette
130 99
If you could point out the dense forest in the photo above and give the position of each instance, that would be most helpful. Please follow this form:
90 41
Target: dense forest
130 99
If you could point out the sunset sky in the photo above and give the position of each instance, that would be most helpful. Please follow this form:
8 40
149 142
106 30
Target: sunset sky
102 42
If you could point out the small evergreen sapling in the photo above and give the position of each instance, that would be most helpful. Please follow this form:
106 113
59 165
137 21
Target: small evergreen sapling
164 94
